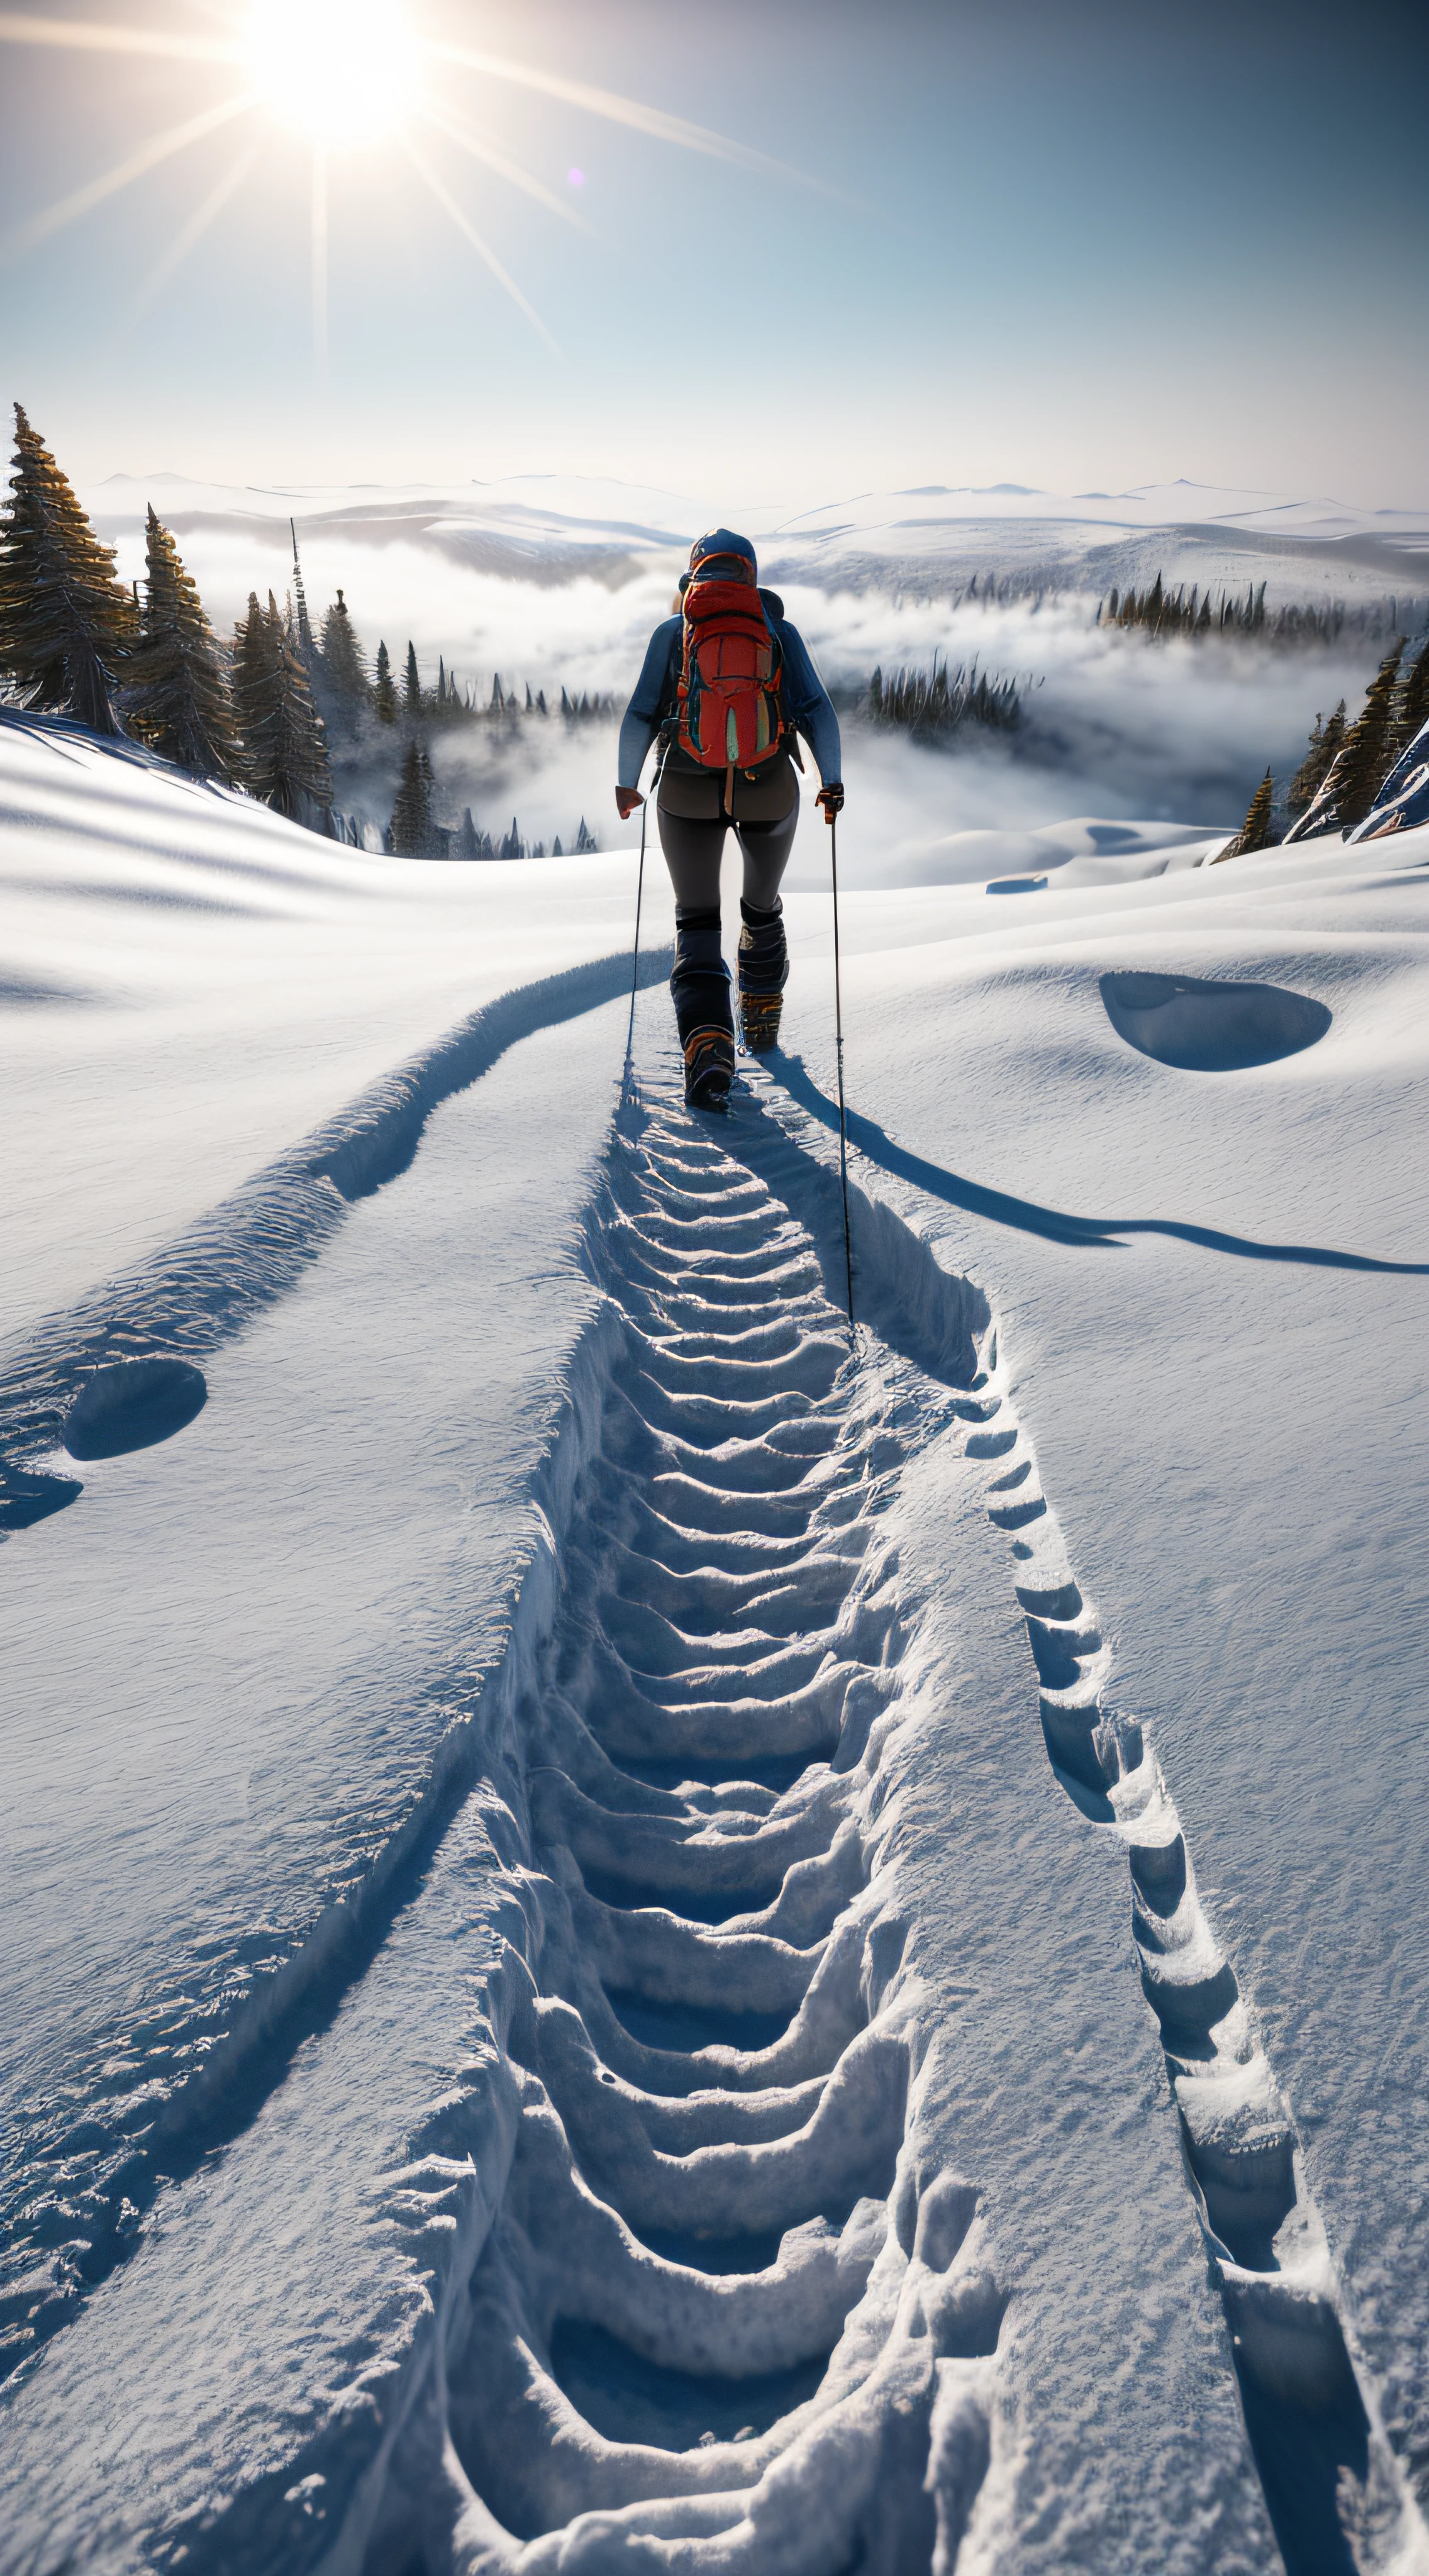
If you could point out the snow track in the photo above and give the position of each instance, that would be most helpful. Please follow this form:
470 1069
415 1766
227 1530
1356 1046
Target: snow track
709 2284
725 2308
713 2294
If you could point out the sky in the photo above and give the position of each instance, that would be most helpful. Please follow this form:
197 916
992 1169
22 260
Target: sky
1076 246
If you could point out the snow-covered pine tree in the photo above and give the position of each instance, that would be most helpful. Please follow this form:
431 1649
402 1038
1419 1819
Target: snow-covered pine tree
1255 832
465 843
412 836
1366 758
384 695
344 668
255 697
413 708
178 693
303 780
66 624
1314 769
304 636
1411 711
284 753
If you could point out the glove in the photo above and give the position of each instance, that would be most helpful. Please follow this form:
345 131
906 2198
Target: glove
832 800
627 798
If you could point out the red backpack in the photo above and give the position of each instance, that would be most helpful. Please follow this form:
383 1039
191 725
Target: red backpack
729 712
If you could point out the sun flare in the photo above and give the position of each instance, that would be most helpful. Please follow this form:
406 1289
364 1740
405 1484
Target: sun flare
336 73
340 71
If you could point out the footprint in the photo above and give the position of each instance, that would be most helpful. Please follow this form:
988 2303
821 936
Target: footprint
1204 1027
133 1404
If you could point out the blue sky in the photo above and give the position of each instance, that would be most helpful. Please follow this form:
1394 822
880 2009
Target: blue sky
1078 246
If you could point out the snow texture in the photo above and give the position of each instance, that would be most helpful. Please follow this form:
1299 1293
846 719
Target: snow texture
575 1826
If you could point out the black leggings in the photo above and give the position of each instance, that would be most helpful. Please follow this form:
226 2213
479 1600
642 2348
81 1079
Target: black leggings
693 851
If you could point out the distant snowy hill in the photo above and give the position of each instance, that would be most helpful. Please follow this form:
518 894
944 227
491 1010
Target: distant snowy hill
625 1933
553 528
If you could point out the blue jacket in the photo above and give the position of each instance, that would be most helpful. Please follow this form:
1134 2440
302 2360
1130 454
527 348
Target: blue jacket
802 695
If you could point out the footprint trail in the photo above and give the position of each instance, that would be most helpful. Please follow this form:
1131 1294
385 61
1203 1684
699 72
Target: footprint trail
711 2289
726 2305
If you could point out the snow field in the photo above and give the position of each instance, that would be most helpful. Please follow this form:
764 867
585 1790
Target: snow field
807 2098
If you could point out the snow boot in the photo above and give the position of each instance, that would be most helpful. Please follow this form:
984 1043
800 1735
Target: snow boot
763 974
709 1068
699 988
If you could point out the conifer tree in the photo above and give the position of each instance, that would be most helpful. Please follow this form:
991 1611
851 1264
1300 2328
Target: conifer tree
66 624
255 694
284 754
304 636
412 834
344 668
466 845
1314 769
1412 708
414 687
1365 760
179 693
384 695
1255 831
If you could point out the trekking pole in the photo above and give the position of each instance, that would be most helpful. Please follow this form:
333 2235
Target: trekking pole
635 960
839 1050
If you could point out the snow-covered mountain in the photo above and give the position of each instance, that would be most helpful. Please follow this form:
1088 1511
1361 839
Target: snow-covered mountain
567 1951
556 528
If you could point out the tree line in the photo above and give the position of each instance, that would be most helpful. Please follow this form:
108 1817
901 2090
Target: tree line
1160 611
933 705
1338 782
75 640
266 713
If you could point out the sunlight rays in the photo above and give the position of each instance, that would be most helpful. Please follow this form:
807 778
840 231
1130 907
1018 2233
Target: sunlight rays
608 103
339 73
456 131
159 148
193 231
83 37
469 233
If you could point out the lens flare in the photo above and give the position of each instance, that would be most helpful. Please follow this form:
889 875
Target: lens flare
341 71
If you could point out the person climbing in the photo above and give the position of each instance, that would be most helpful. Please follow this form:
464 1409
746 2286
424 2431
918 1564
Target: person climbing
726 687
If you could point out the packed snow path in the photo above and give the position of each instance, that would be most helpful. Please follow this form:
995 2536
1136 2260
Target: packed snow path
715 2304
737 2306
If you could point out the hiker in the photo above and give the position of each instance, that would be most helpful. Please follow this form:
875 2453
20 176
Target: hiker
727 685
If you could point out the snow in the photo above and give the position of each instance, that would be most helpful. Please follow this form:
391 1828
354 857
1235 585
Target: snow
544 1608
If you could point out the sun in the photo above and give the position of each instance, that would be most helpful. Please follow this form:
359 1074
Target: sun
335 73
340 71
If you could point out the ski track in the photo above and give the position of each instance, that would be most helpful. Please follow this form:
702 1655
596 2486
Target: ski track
714 2298
705 2291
